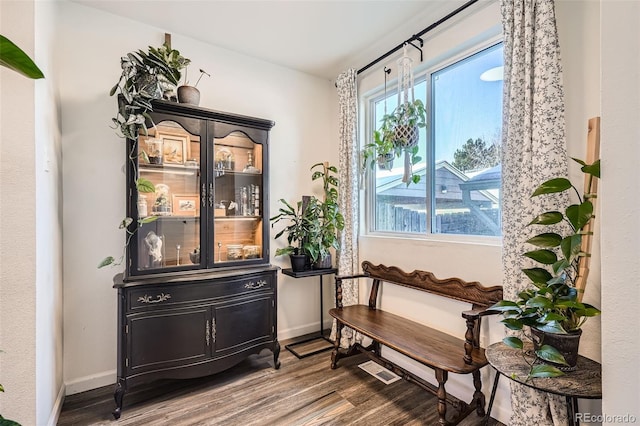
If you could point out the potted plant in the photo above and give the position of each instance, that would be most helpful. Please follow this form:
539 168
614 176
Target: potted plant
398 133
145 76
324 217
381 151
552 308
297 230
190 94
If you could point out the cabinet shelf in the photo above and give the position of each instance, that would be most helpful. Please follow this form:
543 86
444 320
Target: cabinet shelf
238 218
178 169
221 173
175 218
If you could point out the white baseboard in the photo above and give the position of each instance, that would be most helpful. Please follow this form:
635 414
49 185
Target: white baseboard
106 378
57 407
290 333
94 381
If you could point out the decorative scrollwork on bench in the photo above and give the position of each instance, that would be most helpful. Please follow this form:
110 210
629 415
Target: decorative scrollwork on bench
251 285
149 299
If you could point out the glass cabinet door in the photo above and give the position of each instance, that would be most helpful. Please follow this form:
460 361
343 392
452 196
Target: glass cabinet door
238 199
168 165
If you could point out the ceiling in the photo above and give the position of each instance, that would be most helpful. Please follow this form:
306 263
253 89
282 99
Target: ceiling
321 38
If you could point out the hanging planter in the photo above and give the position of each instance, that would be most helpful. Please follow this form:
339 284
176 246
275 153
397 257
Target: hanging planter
399 131
410 116
406 135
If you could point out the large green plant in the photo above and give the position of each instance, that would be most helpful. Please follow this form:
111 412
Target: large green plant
325 216
389 141
313 225
145 76
14 58
553 304
297 228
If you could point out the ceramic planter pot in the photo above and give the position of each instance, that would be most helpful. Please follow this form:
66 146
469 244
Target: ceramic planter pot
566 344
194 257
323 263
188 95
385 162
298 262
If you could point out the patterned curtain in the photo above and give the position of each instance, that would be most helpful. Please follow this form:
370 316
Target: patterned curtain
534 150
347 256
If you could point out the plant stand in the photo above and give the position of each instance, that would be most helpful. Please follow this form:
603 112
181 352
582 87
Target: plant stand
585 382
303 274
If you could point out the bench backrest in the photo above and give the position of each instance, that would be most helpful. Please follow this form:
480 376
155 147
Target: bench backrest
453 288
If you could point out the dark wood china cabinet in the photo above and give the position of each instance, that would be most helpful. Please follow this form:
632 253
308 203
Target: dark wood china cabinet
198 294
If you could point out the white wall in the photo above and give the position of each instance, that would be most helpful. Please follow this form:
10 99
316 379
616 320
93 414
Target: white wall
48 168
579 34
620 79
89 46
30 258
17 210
481 261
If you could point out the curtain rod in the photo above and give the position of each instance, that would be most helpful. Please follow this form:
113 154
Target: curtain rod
417 36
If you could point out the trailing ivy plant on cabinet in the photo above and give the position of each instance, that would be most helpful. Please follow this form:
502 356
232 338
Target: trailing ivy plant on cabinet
198 294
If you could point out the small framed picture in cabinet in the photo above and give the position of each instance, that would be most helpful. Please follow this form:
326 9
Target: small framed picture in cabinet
175 147
185 204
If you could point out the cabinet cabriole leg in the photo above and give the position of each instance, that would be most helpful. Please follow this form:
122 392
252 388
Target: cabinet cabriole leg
118 395
276 355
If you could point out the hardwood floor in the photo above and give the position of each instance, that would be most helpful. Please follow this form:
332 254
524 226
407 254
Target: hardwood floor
302 392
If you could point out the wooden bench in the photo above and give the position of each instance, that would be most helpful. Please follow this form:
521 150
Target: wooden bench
433 348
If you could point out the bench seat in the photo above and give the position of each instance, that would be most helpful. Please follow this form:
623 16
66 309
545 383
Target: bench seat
426 345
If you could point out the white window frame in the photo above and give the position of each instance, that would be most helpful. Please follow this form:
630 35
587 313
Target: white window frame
421 72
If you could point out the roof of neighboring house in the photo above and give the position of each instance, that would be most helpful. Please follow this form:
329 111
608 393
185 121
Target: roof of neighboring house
449 181
487 179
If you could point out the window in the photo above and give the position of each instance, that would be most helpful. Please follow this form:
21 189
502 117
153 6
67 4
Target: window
459 189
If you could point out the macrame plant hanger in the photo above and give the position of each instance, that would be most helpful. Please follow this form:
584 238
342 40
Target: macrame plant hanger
386 161
406 136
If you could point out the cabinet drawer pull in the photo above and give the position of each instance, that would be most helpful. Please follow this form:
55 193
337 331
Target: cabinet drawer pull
213 330
251 285
149 299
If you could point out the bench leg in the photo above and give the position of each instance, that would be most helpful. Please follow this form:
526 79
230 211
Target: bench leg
478 396
441 377
376 349
336 346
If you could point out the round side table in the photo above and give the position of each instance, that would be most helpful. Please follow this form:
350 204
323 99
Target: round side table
585 382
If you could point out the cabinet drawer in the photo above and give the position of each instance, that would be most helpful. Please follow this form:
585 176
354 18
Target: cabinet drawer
181 293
